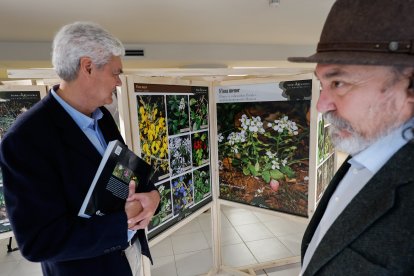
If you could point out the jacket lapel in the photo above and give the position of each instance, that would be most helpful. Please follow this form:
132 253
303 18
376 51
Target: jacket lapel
370 204
71 134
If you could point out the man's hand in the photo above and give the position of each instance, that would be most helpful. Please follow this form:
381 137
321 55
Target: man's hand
149 202
132 208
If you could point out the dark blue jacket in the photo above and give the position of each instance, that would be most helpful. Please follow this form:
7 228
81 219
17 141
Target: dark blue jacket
48 164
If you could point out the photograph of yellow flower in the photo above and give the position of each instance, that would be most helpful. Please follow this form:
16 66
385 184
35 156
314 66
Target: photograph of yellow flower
153 134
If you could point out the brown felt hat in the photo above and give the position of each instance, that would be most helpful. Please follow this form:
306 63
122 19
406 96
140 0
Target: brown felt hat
367 32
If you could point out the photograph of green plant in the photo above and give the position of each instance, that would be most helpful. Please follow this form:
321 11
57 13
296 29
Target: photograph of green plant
263 150
199 111
202 187
4 220
153 134
200 148
328 147
321 138
165 206
325 172
177 114
12 104
180 157
173 137
325 146
182 192
123 173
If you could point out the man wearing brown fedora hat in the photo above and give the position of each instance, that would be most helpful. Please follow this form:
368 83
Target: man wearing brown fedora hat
364 224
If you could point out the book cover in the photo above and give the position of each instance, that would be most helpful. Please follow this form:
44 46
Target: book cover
109 189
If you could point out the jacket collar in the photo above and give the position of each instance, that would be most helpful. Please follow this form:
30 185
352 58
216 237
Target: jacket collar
71 134
371 203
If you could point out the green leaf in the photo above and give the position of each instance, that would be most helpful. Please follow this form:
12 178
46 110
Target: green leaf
266 176
276 174
257 167
288 171
246 171
252 169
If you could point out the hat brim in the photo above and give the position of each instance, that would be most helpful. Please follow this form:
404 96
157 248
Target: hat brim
357 58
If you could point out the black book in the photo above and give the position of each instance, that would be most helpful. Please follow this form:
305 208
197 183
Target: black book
110 186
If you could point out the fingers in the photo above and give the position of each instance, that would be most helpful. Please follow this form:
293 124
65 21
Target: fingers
131 188
139 217
141 225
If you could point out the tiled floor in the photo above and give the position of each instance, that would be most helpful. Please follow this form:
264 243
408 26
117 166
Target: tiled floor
247 238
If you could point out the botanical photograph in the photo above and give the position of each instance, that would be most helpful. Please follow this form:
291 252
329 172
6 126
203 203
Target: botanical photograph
180 154
12 104
4 220
199 111
263 150
321 138
123 173
327 144
177 114
182 192
153 134
200 148
202 187
165 206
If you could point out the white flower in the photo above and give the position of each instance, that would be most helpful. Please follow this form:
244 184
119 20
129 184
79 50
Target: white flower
182 104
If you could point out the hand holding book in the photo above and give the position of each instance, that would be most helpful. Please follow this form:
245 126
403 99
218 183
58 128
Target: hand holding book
149 202
134 207
110 186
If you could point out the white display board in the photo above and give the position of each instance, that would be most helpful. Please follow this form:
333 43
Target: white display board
170 130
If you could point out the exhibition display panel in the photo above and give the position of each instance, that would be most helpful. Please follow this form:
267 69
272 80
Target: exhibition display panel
170 130
14 100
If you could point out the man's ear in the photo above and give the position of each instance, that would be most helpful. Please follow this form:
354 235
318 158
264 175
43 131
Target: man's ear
85 65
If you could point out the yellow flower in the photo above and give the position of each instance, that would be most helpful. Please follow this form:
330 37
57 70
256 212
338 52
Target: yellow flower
150 136
155 147
141 110
145 149
154 113
161 122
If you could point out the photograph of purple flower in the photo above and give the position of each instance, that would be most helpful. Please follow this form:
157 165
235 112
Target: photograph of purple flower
182 188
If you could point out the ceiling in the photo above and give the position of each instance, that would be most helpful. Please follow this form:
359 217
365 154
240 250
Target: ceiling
188 23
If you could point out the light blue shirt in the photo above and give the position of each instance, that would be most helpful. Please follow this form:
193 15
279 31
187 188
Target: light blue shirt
89 126
364 166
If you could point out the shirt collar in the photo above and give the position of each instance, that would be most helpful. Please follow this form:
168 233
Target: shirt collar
377 154
81 119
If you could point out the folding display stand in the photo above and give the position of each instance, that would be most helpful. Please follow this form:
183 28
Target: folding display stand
251 85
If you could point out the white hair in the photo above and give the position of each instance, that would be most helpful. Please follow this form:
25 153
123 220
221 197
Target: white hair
83 39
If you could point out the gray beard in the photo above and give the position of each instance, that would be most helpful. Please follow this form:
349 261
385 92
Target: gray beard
353 144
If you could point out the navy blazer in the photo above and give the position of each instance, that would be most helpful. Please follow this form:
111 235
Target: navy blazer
48 164
374 235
